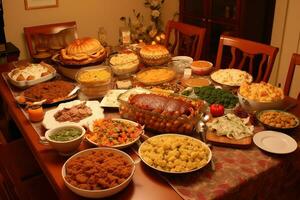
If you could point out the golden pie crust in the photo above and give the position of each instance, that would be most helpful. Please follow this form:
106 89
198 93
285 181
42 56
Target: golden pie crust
155 76
154 54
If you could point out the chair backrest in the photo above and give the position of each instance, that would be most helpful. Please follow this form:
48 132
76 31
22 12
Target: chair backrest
261 57
48 39
188 39
295 60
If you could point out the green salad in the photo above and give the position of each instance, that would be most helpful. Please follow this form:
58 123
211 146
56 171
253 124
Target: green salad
215 95
65 134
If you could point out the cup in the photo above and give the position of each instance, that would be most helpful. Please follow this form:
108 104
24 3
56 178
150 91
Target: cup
179 66
35 113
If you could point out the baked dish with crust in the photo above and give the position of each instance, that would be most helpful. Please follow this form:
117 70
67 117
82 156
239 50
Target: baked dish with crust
155 76
154 54
83 51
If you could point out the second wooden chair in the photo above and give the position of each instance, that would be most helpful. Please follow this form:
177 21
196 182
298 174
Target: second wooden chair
45 40
188 39
261 57
295 60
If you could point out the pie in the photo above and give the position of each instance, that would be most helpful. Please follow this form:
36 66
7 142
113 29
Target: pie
154 54
154 76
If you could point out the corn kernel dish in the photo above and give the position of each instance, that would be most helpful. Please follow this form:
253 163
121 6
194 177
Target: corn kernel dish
173 153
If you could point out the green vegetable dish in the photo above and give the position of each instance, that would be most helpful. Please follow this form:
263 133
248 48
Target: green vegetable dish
214 95
65 134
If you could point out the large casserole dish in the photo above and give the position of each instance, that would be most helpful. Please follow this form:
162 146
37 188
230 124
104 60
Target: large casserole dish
31 74
175 114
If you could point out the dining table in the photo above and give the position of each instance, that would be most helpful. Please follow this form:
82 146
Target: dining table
249 173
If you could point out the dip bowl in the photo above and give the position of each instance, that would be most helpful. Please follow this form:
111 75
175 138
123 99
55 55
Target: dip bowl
65 138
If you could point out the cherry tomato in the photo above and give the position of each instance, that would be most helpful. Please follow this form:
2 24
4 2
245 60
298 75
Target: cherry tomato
216 110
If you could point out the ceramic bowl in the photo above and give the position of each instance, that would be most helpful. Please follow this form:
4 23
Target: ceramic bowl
201 67
68 147
104 192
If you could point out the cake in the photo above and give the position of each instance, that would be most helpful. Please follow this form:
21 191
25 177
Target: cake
83 51
154 54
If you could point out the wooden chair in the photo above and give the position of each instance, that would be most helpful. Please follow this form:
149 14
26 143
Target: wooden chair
188 39
45 40
261 57
295 60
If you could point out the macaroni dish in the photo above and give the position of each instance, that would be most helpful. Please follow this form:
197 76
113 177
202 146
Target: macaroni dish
174 153
262 92
94 75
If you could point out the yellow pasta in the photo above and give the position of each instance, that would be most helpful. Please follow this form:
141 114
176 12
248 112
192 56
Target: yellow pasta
263 92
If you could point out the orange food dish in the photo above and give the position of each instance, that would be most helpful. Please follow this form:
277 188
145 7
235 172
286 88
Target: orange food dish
201 67
196 82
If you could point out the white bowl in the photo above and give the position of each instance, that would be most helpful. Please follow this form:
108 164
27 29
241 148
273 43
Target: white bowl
184 58
253 105
119 146
99 193
69 147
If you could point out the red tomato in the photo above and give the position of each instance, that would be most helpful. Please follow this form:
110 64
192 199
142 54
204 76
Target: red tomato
216 110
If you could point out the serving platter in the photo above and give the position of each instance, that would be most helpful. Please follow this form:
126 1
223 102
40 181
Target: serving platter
231 77
50 121
27 83
275 142
24 99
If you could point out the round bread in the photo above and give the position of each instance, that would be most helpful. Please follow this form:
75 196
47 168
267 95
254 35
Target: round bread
86 45
83 51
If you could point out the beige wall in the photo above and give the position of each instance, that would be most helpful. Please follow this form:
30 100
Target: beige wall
89 15
286 35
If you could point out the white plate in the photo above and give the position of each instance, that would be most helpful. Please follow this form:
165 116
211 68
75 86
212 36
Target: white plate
50 122
111 99
275 142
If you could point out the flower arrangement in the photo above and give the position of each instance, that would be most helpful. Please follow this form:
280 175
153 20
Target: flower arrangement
146 33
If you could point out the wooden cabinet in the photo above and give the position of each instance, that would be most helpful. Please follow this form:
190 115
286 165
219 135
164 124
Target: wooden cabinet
242 18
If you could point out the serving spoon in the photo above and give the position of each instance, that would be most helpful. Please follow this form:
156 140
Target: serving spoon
201 128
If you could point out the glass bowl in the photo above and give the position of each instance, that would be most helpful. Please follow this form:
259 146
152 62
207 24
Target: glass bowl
94 82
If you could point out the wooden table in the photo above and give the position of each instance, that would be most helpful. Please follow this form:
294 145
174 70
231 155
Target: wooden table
146 184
